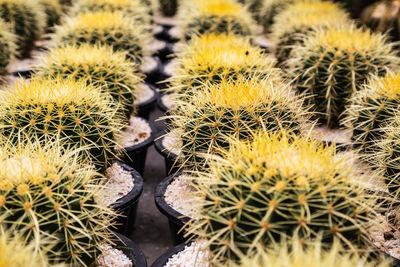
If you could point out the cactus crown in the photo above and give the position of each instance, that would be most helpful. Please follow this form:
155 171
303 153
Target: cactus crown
97 64
47 193
282 184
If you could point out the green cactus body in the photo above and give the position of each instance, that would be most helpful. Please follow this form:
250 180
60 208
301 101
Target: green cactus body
371 108
28 20
335 63
7 48
300 19
46 193
234 108
135 9
211 58
106 28
169 7
282 185
219 17
53 10
79 114
98 65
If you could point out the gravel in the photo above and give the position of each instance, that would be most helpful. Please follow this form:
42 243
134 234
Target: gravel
341 136
143 93
168 101
137 132
196 254
172 141
149 64
385 234
111 257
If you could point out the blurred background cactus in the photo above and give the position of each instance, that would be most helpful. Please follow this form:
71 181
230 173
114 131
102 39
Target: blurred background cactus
7 48
97 65
47 193
106 28
169 7
77 113
269 9
280 185
28 20
334 63
53 10
234 108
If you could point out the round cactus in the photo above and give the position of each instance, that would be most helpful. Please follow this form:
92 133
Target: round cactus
371 108
335 63
133 8
16 253
279 185
53 10
220 16
98 65
46 193
28 20
106 28
295 254
7 47
234 108
79 114
300 19
169 7
212 58
269 9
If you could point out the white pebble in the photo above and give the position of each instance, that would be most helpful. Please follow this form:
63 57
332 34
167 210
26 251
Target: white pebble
111 257
197 254
137 132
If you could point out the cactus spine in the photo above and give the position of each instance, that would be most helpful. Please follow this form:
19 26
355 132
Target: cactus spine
47 193
106 28
211 58
300 19
28 20
281 185
79 114
98 65
335 62
234 108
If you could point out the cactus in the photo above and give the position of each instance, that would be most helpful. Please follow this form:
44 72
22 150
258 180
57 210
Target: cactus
335 63
28 21
7 48
47 193
98 65
133 8
234 108
16 253
210 58
79 114
220 16
278 185
106 28
269 10
294 254
169 7
300 19
53 10
371 108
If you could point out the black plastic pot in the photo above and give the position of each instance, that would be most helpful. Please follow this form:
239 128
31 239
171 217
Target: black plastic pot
127 205
176 220
156 75
164 35
340 147
166 53
163 259
171 160
131 250
144 109
135 156
26 74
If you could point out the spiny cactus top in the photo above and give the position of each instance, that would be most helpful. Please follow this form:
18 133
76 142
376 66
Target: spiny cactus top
298 255
77 113
234 108
47 193
219 16
269 9
336 62
371 108
7 47
28 20
15 252
53 10
210 58
106 28
98 65
257 192
133 8
299 19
